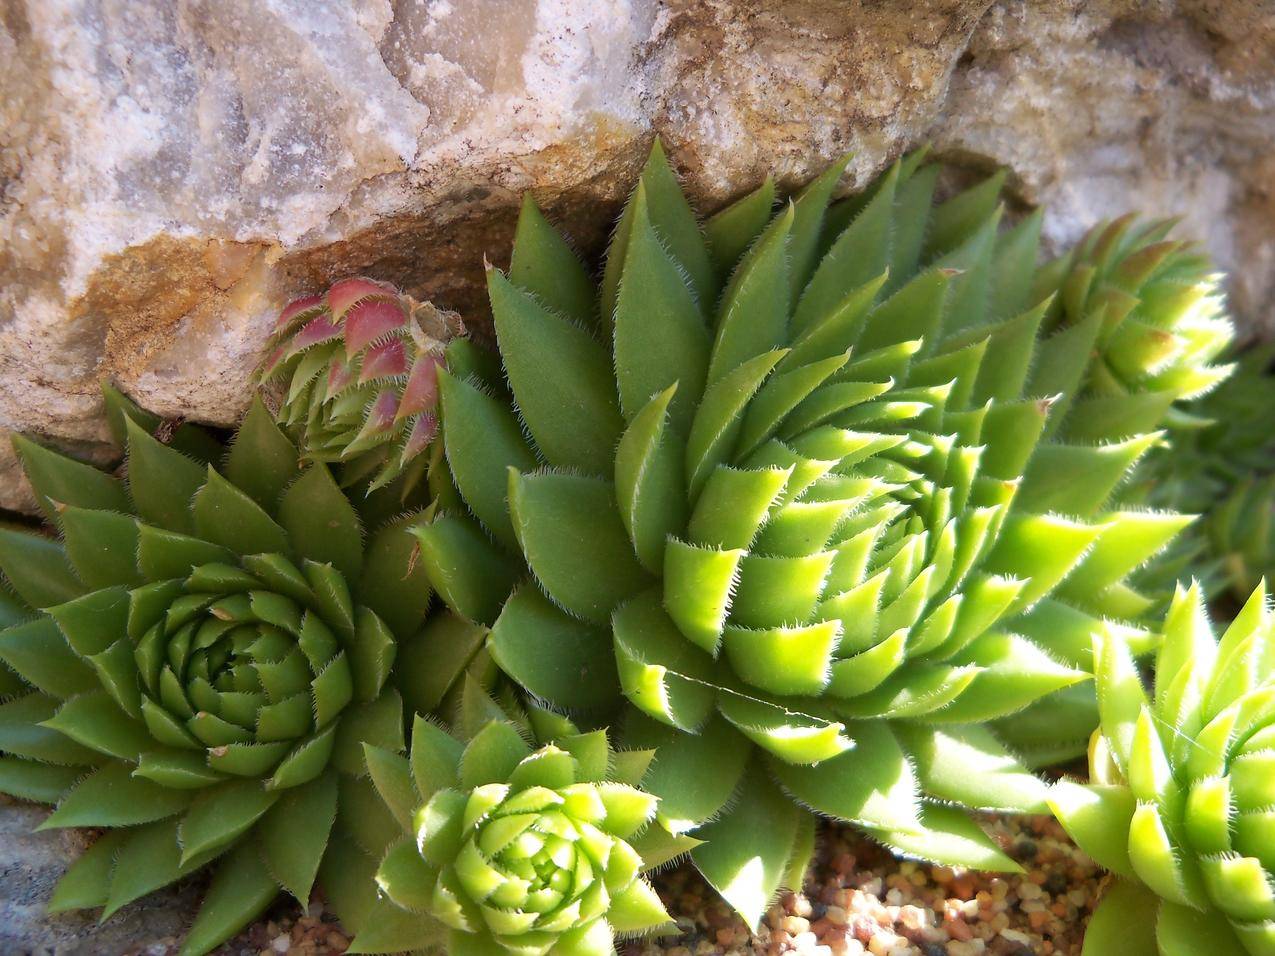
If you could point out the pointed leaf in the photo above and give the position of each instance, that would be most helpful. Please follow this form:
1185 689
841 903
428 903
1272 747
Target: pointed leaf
695 775
471 575
58 480
320 522
571 534
262 462
37 568
161 481
294 834
240 891
483 440
555 657
561 378
949 837
112 797
746 851
660 336
544 264
731 231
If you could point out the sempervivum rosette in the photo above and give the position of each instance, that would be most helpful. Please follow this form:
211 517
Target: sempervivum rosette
805 524
515 848
213 649
1160 317
1181 800
358 371
1223 470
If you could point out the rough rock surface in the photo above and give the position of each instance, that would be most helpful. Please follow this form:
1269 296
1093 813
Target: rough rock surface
170 173
31 863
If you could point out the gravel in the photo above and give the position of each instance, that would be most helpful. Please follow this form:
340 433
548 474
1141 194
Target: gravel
858 900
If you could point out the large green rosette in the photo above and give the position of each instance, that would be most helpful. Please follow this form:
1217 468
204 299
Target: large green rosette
784 486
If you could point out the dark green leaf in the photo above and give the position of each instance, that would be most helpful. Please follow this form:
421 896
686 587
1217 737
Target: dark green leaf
102 546
470 573
394 583
754 311
555 657
572 537
86 883
32 780
262 462
809 209
161 481
22 736
860 254
378 722
731 231
649 476
58 480
561 378
545 266
321 523
37 568
432 660
294 834
240 891
483 440
96 720
224 515
112 797
220 814
660 335
40 654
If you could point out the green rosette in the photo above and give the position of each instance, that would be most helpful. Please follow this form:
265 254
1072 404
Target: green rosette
1181 800
516 834
1224 471
1162 323
195 663
781 498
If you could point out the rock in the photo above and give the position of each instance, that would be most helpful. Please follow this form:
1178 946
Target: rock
31 863
174 172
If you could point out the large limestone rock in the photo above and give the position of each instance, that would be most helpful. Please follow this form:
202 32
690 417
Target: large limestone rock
172 172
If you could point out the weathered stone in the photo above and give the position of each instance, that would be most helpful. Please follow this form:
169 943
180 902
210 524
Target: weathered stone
173 172
31 863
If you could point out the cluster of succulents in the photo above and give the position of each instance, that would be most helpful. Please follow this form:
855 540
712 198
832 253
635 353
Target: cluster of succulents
815 511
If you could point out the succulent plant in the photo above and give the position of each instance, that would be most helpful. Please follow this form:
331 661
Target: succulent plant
1161 318
1182 786
357 367
805 524
210 652
1224 470
509 847
1158 312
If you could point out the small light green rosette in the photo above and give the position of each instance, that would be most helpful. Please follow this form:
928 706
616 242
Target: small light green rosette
1181 800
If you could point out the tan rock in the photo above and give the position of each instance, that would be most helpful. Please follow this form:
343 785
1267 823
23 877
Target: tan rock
174 172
